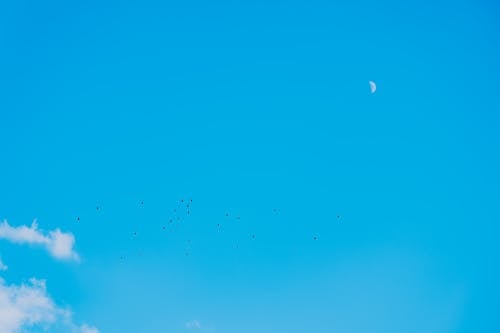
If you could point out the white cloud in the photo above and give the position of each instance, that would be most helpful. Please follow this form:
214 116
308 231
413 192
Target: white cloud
193 325
58 244
88 329
3 267
28 305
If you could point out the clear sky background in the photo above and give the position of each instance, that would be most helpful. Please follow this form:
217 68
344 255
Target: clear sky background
261 111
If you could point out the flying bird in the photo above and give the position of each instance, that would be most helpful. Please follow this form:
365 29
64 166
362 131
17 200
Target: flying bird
373 86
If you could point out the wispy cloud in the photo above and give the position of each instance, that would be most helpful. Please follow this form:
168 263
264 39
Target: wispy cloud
3 267
193 325
88 329
59 244
28 306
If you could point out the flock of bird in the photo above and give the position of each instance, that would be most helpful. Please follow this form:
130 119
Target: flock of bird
174 221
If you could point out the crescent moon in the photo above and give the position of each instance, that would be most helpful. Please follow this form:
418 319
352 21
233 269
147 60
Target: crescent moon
373 87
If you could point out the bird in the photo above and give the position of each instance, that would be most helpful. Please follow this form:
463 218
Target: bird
315 237
78 219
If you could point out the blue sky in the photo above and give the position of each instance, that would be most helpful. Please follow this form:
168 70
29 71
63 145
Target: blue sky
261 111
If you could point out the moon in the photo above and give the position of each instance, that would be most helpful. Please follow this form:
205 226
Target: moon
373 86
